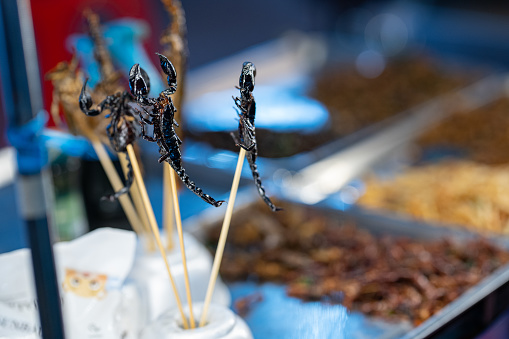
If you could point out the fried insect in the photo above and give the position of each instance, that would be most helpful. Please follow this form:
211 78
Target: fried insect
121 130
322 256
161 113
247 139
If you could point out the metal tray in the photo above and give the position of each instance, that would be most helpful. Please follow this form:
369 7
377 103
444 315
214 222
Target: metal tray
326 176
475 309
280 316
405 158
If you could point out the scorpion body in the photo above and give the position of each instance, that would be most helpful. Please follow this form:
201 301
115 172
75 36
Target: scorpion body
121 130
161 113
247 139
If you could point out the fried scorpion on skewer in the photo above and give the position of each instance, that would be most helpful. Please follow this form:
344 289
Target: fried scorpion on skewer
122 130
161 113
247 139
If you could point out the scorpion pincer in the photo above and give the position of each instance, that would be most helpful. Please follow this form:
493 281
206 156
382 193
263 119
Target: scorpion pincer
247 139
161 113
121 130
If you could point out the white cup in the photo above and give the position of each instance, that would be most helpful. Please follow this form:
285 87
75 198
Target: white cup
222 324
151 278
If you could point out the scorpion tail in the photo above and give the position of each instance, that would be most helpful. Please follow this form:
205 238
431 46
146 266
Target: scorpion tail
195 189
256 176
129 182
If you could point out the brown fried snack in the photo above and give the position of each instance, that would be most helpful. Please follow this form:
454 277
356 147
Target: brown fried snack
67 80
462 193
323 257
244 305
482 134
356 102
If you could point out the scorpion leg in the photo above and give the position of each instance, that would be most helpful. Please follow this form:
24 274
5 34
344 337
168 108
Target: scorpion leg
143 122
238 103
247 149
109 132
167 154
128 184
86 103
236 140
174 154
241 141
163 157
146 137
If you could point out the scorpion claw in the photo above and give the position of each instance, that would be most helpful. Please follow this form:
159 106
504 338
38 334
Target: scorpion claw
170 71
85 101
247 77
139 82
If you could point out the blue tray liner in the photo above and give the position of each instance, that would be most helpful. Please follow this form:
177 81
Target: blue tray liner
280 316
278 108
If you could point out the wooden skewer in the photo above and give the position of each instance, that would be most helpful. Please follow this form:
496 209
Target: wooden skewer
222 237
178 220
168 206
155 229
138 203
116 183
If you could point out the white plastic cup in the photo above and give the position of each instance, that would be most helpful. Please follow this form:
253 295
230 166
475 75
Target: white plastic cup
222 324
151 278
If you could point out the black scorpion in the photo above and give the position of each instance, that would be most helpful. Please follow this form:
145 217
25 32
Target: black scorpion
161 115
121 130
247 139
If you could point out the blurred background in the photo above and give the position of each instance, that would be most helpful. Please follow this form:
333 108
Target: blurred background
293 42
349 94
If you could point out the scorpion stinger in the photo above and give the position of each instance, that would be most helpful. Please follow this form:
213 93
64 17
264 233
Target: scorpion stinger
86 103
160 113
247 138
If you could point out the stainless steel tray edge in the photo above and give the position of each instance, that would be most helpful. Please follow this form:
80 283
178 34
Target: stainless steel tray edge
408 226
462 304
379 223
324 177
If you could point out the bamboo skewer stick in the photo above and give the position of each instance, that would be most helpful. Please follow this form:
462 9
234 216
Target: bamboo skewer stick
116 183
222 238
138 204
155 229
178 221
168 206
